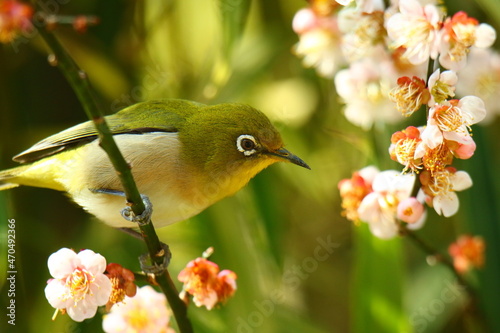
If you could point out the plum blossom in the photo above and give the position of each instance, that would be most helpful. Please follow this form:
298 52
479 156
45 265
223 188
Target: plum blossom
410 210
467 252
208 286
319 41
146 312
79 285
379 208
362 33
460 33
441 86
403 146
451 121
441 189
481 77
353 190
417 29
365 87
409 94
122 281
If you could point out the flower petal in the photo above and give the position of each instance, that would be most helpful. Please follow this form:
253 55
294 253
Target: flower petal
208 300
420 223
461 136
385 180
62 263
101 289
369 209
385 229
447 204
474 107
461 181
84 310
55 292
431 135
449 77
368 173
485 35
93 262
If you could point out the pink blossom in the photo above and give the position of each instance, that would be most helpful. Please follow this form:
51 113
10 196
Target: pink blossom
465 150
467 253
441 189
441 86
481 78
410 210
379 208
319 41
79 285
365 87
451 121
417 29
146 312
206 283
460 33
304 20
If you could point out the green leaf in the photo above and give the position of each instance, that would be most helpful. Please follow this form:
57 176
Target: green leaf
377 289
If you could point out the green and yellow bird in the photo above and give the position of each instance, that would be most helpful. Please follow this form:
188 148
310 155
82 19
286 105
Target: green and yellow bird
185 156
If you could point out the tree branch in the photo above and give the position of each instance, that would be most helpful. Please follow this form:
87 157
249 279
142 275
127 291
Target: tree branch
81 85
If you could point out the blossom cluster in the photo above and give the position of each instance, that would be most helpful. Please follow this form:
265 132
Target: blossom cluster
82 282
467 252
395 61
207 284
381 199
366 47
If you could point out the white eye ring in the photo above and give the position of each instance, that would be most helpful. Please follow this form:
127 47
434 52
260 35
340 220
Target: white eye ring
246 151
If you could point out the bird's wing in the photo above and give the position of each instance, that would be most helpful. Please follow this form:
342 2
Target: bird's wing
153 116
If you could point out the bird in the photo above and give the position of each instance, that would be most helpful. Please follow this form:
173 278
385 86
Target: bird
184 156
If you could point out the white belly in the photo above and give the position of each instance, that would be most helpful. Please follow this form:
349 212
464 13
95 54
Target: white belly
154 158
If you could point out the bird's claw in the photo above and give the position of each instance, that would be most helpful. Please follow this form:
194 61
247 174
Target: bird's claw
155 268
129 215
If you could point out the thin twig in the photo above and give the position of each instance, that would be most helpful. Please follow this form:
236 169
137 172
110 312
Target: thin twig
473 308
439 257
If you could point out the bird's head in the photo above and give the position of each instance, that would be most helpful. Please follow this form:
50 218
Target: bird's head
233 141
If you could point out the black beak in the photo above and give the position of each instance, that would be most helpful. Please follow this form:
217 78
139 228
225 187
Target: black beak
288 156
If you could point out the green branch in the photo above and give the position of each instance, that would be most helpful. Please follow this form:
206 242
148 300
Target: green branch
81 85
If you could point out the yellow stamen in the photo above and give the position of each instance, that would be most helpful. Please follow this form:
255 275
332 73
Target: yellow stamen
450 119
435 160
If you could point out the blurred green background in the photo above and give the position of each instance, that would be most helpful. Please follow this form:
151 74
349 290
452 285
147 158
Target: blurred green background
301 266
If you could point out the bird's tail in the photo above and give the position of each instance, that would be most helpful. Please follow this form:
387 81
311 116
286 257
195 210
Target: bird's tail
9 177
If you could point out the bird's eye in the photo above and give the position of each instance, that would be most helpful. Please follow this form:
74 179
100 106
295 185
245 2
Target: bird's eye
246 144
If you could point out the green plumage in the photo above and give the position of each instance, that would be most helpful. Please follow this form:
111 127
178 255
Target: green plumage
158 115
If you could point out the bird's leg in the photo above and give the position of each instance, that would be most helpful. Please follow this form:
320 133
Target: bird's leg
154 268
132 232
127 212
142 219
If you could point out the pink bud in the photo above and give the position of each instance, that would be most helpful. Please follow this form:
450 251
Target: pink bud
410 210
304 20
465 151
